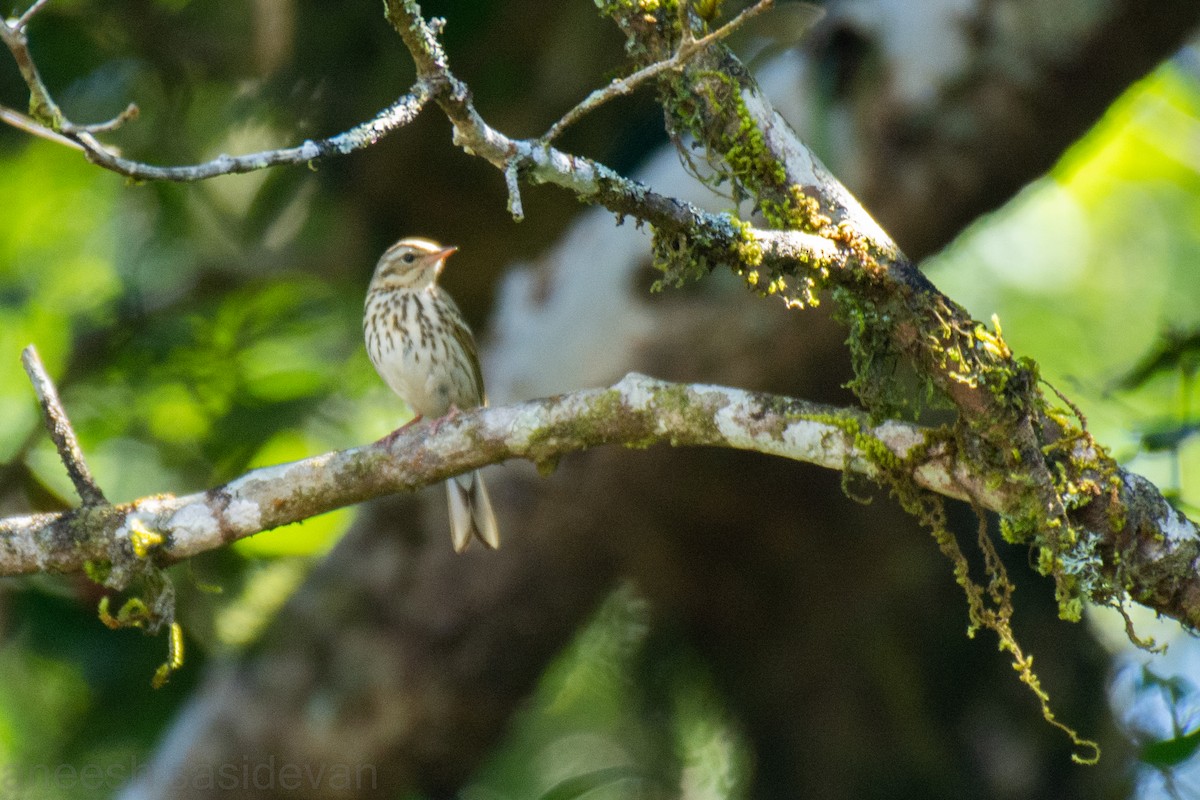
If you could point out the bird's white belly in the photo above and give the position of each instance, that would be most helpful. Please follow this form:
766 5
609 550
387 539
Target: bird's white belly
410 374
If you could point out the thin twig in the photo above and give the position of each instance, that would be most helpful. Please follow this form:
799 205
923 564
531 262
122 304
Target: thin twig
395 116
131 112
689 46
685 28
41 104
29 14
61 432
34 128
47 120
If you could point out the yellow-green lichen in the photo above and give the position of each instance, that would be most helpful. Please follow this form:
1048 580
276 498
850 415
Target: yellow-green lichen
97 571
710 109
680 405
142 539
174 660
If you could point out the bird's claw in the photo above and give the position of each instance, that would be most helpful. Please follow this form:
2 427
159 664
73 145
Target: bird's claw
450 415
391 437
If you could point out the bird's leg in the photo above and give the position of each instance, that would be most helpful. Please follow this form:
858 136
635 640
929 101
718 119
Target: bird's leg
391 437
442 420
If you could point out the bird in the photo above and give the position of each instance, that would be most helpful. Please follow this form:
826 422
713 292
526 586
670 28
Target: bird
422 348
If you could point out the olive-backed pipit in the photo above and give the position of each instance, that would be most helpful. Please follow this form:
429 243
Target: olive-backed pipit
422 348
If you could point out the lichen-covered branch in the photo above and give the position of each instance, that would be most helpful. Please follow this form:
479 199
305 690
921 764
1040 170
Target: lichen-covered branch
636 411
1079 511
47 120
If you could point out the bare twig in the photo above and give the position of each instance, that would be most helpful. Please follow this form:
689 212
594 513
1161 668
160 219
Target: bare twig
41 105
61 432
365 134
47 120
33 127
689 46
130 113
29 14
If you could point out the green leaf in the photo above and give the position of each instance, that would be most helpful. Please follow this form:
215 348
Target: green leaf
579 785
1170 752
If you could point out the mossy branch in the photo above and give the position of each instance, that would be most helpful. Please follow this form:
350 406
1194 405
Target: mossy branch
1006 426
1087 519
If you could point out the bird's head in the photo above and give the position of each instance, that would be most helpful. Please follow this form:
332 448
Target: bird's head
411 263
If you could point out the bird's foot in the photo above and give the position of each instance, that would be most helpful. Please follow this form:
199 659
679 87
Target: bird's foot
442 420
391 437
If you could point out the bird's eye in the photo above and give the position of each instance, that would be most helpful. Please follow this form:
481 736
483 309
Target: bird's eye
408 258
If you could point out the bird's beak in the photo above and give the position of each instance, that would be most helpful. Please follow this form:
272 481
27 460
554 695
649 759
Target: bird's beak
442 255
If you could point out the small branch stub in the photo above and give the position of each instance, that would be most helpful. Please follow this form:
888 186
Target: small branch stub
59 427
515 207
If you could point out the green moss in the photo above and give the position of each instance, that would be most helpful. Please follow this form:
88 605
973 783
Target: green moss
710 108
97 571
678 259
877 363
684 407
590 429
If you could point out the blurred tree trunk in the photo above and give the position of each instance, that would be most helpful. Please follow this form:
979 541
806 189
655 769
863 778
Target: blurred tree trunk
834 629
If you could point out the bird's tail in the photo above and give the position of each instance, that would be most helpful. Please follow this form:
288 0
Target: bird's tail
471 513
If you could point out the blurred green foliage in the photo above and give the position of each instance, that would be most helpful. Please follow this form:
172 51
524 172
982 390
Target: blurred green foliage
627 711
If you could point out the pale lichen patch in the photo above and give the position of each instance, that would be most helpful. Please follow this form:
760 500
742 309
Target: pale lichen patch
244 515
194 521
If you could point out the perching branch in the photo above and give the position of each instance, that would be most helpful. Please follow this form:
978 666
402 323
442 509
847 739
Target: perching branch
61 432
636 411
